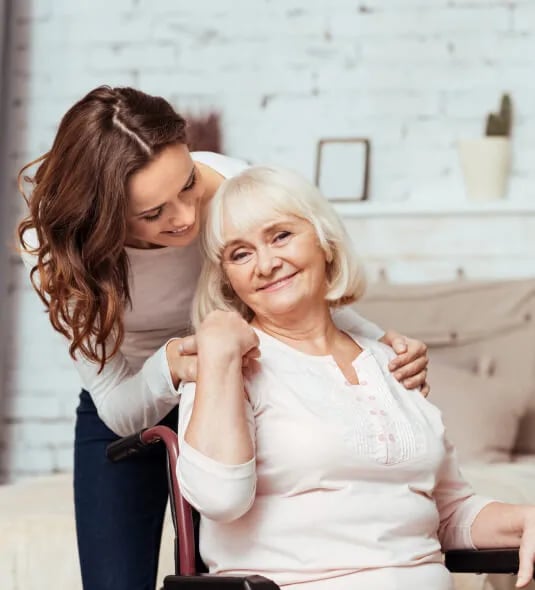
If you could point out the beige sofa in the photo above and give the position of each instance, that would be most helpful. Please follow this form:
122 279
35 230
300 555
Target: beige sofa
482 349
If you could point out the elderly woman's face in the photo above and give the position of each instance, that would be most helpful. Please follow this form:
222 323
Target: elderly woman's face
276 267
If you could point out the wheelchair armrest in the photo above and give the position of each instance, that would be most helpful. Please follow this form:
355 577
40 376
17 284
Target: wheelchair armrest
483 561
126 447
207 582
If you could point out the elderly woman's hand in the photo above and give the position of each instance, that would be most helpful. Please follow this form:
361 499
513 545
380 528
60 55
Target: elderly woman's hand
227 333
526 553
220 329
410 365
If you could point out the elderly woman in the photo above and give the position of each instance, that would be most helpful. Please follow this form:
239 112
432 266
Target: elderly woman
309 463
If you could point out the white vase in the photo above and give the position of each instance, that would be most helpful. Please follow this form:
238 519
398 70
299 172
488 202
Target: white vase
486 163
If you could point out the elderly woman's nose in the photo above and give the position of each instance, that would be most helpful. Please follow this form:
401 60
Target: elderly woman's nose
266 262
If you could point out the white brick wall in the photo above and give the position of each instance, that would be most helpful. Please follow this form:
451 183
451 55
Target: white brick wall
414 75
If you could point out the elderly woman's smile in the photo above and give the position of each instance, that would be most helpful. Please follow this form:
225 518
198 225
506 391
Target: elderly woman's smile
278 283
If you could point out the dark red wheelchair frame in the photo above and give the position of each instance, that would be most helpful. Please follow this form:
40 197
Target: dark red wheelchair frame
187 577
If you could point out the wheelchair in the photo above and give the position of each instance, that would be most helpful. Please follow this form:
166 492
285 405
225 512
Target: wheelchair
190 573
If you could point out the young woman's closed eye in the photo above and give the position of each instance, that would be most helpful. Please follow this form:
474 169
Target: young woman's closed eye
158 213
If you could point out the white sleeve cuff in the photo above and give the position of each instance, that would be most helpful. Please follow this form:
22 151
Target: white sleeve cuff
194 457
459 533
219 491
477 505
158 375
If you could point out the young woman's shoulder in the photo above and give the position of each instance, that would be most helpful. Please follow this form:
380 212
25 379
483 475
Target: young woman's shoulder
224 165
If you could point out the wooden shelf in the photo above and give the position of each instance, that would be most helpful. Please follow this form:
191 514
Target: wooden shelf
425 209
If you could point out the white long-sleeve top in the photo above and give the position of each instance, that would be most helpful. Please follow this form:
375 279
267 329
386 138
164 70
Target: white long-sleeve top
352 486
135 389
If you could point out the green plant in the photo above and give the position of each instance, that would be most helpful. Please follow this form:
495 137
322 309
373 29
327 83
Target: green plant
499 124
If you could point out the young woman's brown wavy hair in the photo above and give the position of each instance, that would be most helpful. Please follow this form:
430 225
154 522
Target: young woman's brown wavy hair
78 210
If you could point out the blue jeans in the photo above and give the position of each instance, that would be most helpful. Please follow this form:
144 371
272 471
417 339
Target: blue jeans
119 506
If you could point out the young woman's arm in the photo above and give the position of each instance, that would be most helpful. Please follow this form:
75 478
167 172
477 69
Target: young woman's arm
128 400
346 318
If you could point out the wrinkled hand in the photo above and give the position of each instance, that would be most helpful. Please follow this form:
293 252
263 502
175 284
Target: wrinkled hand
410 365
226 332
182 358
526 553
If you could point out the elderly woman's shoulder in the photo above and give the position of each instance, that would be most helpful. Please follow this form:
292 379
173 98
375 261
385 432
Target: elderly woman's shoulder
378 348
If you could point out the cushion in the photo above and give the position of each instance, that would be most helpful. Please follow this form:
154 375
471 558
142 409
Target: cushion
482 414
484 327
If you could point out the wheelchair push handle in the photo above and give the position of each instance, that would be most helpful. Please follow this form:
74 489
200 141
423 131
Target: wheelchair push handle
126 447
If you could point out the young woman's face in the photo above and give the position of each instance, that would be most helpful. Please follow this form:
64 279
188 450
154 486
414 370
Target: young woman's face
165 199
277 267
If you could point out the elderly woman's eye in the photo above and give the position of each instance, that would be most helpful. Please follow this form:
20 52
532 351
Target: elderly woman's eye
239 256
282 235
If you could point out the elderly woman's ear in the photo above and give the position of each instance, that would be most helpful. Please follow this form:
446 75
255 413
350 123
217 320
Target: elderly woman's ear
410 364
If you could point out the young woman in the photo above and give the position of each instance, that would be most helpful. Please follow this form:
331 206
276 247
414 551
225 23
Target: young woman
111 239
313 466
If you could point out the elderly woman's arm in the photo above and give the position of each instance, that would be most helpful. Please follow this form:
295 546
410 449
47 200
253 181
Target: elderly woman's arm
219 491
218 423
457 504
508 525
474 522
216 467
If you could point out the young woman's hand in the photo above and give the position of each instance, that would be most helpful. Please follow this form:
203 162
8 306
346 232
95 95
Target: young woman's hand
410 365
182 359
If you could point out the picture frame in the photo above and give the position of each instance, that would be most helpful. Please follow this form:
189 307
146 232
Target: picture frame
341 187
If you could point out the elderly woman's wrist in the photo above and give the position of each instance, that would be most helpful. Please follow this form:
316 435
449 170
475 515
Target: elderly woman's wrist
218 350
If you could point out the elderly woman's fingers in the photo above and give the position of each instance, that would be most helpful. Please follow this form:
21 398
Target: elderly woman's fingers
254 353
526 555
248 360
188 345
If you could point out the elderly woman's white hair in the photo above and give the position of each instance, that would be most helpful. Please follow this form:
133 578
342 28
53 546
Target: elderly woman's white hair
252 198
